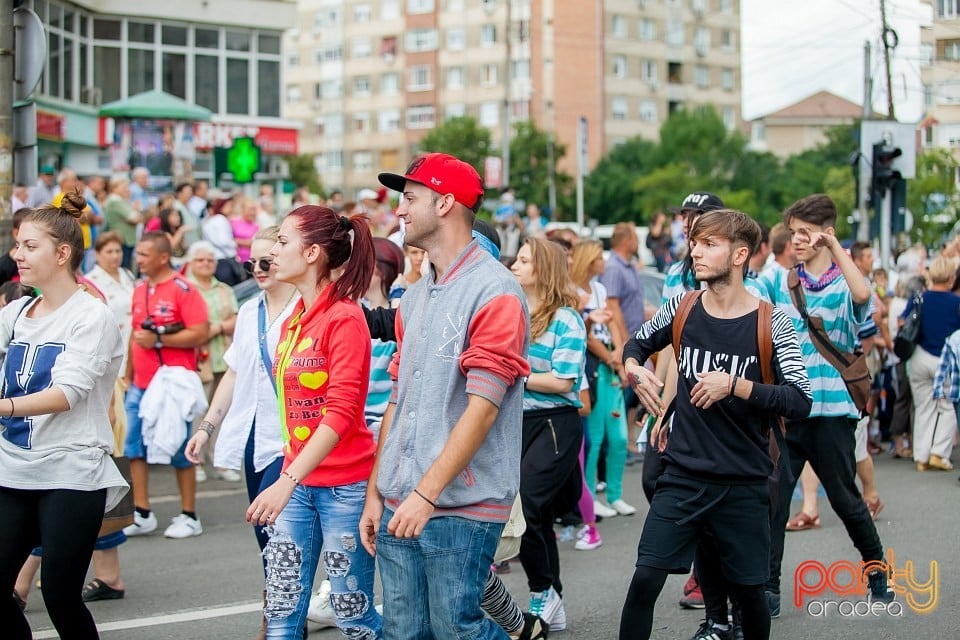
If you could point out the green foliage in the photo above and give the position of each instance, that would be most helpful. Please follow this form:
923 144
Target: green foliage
462 137
529 170
303 173
841 187
932 196
608 192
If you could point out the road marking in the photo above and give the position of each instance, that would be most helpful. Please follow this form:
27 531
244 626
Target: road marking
213 493
170 618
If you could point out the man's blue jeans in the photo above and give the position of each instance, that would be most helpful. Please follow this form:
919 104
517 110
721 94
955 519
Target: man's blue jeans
320 521
432 585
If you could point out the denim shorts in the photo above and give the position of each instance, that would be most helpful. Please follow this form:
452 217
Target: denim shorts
133 446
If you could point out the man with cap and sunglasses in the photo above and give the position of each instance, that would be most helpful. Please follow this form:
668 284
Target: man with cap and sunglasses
448 464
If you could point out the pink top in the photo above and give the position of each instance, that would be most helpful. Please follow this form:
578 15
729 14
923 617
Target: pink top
243 230
153 224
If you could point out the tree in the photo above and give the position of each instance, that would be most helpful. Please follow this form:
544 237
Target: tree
608 189
698 139
529 168
932 195
839 184
303 173
462 137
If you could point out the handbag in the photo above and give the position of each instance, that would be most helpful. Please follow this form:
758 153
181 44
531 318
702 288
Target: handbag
122 514
909 334
852 366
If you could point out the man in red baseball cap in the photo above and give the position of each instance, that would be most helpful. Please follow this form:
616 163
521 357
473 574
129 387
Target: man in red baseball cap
447 469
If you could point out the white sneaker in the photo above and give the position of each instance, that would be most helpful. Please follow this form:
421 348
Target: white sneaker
601 486
549 606
229 475
320 612
141 526
201 474
603 511
183 526
623 508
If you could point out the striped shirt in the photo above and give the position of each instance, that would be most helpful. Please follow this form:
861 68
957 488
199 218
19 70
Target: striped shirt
560 351
381 385
946 384
842 320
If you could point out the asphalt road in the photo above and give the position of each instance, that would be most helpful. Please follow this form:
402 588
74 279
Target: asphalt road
209 587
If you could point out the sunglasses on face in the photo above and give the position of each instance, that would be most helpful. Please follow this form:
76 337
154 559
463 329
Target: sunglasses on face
263 263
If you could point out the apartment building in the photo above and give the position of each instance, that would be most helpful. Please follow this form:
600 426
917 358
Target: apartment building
940 75
369 78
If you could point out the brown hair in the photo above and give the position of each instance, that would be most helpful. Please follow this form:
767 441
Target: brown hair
584 253
159 240
735 226
63 224
622 231
106 238
267 233
779 238
553 285
817 209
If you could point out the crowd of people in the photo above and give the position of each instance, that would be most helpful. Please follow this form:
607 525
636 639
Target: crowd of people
421 393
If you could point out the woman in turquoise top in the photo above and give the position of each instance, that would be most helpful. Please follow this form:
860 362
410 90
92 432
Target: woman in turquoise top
550 479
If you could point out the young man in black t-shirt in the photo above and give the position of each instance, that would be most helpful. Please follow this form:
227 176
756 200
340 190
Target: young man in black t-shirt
717 458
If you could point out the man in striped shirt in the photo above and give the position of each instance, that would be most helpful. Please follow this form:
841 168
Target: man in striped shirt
836 292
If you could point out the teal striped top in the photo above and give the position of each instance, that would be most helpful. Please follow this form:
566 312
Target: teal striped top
560 350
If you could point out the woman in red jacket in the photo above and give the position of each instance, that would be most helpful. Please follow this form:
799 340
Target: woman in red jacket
322 369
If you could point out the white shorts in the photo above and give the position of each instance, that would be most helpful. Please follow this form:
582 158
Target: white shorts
860 448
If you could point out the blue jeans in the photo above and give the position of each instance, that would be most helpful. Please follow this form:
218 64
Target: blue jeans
133 446
257 481
433 584
320 521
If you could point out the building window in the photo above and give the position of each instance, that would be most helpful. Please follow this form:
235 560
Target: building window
758 132
948 50
456 39
455 110
729 118
360 47
362 161
619 108
293 94
701 76
333 160
948 8
521 69
618 26
140 32
361 86
726 79
293 59
206 79
389 120
419 6
648 30
490 114
675 72
675 33
421 78
390 83
726 6
727 40
388 48
326 18
330 54
389 9
456 5
619 67
488 75
648 111
489 5
361 122
520 110
648 70
699 7
421 117
140 71
455 78
701 40
422 40
238 86
174 74
927 95
331 124
390 159
488 35
331 88
362 13
268 88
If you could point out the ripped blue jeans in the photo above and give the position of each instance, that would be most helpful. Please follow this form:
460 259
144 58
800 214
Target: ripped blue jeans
320 522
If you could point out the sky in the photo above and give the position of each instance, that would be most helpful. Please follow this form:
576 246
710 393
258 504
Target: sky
792 49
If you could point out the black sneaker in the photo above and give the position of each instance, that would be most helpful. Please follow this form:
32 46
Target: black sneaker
773 603
534 628
879 591
710 631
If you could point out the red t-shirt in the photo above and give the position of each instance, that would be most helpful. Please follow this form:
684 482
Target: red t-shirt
173 300
325 378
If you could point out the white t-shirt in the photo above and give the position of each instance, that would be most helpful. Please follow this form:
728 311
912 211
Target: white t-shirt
78 350
597 300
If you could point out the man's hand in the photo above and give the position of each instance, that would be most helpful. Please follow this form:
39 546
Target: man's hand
145 339
370 522
646 386
711 387
410 517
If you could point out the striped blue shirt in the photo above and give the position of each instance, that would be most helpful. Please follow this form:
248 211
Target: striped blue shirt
381 385
946 384
560 350
842 320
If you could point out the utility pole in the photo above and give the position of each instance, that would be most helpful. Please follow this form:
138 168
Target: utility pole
506 98
6 111
863 228
886 34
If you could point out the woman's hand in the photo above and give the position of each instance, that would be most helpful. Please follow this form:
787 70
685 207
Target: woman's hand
712 387
194 450
266 507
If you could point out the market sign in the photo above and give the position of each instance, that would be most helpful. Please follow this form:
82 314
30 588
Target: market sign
51 126
271 140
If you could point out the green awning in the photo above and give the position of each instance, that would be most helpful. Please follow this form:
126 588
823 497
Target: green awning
155 105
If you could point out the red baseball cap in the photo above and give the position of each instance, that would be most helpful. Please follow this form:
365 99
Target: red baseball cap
443 174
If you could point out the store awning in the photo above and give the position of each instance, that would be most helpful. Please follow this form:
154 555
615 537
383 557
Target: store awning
155 105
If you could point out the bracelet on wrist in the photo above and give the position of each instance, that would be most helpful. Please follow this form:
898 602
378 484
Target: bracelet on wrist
12 408
290 475
428 500
733 385
207 427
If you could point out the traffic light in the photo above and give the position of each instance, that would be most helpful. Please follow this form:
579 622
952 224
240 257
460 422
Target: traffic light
885 175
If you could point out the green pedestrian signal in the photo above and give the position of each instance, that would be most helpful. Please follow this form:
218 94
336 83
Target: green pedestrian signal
243 160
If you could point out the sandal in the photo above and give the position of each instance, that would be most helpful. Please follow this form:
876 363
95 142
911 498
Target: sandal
875 506
803 522
97 589
906 453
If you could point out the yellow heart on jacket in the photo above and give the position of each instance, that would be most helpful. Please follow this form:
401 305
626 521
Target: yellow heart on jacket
304 345
301 433
313 380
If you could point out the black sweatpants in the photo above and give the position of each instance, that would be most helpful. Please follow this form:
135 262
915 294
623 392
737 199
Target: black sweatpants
550 484
65 523
828 443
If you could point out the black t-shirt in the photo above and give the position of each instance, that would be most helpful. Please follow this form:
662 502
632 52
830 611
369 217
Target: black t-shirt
8 268
727 441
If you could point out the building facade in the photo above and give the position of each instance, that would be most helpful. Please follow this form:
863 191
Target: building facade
802 125
940 75
224 55
369 78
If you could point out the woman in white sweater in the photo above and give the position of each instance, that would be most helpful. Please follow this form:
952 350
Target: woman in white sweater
61 355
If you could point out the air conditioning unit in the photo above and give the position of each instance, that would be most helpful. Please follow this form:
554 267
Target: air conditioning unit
92 96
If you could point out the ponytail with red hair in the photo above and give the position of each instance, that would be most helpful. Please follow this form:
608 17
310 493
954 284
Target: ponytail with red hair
322 226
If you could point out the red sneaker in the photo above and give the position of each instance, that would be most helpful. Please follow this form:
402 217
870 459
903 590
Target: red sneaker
692 596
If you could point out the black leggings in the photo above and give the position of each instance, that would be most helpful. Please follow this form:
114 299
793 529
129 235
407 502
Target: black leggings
636 621
65 523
